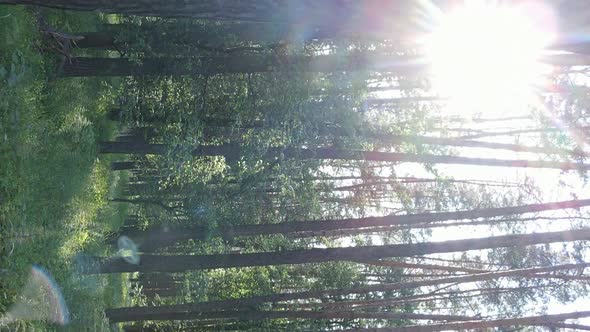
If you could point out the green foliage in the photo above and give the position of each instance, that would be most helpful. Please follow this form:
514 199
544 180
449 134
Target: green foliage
53 187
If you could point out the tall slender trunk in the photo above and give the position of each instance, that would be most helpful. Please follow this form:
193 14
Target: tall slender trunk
120 314
517 132
161 35
367 61
344 15
458 142
254 315
238 10
123 165
574 327
544 320
98 39
388 303
404 265
232 152
402 300
445 141
212 65
375 230
180 263
379 102
172 235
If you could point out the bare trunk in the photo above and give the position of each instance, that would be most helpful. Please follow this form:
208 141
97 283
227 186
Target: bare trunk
180 263
233 152
368 224
120 314
155 314
544 320
404 265
83 67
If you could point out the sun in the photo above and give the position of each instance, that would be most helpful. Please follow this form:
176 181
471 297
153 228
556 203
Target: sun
484 56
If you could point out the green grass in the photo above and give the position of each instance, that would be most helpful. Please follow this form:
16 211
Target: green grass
54 185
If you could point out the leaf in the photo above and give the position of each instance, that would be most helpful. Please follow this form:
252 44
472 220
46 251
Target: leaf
3 71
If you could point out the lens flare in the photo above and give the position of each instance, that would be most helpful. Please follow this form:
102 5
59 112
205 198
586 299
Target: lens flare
127 250
485 55
40 299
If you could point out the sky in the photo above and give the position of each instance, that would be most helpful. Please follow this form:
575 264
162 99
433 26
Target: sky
485 63
496 87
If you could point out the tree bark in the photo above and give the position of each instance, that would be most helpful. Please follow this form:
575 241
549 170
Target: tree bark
120 314
173 235
161 36
254 315
464 143
180 263
323 13
233 152
123 165
98 39
83 66
400 301
234 10
575 327
404 265
544 320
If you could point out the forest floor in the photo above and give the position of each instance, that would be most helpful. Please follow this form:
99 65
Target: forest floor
54 186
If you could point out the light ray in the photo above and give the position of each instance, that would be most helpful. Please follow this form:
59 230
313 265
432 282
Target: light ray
485 56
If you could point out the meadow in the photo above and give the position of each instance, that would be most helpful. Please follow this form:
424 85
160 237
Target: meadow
54 186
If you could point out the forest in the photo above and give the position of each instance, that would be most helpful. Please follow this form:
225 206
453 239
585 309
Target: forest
294 165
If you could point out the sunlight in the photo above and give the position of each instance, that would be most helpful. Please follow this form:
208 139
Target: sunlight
484 56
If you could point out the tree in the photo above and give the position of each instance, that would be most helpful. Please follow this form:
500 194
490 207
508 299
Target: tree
132 313
258 11
234 64
178 263
264 315
543 320
160 237
233 152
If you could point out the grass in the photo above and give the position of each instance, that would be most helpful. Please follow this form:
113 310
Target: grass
54 186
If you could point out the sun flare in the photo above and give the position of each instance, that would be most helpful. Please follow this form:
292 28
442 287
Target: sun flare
485 56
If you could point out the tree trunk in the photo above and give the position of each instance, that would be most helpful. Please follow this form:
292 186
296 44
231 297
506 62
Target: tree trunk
515 132
158 237
83 66
264 315
544 320
396 101
404 265
464 143
233 152
120 314
369 13
235 10
402 300
160 36
180 263
173 235
575 327
132 147
123 165
99 39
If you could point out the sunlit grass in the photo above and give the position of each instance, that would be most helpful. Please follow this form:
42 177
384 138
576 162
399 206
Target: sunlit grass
54 186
